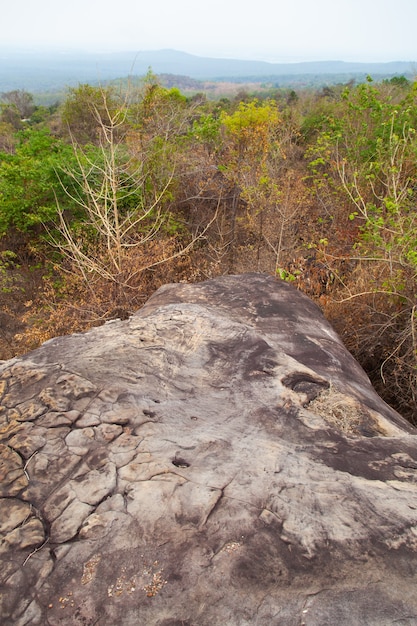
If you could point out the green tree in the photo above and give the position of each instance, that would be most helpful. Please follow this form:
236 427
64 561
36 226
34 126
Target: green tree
29 182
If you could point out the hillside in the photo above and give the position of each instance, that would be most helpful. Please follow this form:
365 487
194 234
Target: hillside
40 71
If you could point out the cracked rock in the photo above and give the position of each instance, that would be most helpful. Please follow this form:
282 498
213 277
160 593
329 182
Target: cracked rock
218 458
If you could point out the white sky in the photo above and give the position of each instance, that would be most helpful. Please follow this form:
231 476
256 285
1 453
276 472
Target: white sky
272 30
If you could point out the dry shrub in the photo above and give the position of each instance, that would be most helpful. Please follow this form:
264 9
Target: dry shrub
20 283
379 329
66 304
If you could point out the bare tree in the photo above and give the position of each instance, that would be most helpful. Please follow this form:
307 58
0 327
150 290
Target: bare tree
122 207
20 100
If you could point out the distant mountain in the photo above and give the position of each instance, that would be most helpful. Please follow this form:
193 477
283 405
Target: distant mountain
203 68
38 71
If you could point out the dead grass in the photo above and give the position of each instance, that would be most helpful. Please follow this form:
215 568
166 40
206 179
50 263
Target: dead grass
339 410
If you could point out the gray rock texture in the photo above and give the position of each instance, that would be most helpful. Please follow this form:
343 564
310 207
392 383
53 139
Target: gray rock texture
218 458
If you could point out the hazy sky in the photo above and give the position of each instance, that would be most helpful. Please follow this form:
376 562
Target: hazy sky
273 30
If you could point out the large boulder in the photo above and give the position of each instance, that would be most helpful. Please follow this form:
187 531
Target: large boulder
218 458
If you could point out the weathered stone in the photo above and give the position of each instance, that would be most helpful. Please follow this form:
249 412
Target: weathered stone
30 410
27 441
93 485
12 475
74 386
219 458
88 419
56 418
29 535
13 512
69 522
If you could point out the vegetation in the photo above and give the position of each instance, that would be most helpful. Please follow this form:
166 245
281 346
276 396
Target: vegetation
122 188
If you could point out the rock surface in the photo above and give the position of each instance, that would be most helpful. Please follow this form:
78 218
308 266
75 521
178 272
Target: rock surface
218 458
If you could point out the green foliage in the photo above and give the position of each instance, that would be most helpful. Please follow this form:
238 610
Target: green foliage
250 150
206 129
368 151
29 182
251 127
399 81
285 275
366 155
159 110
